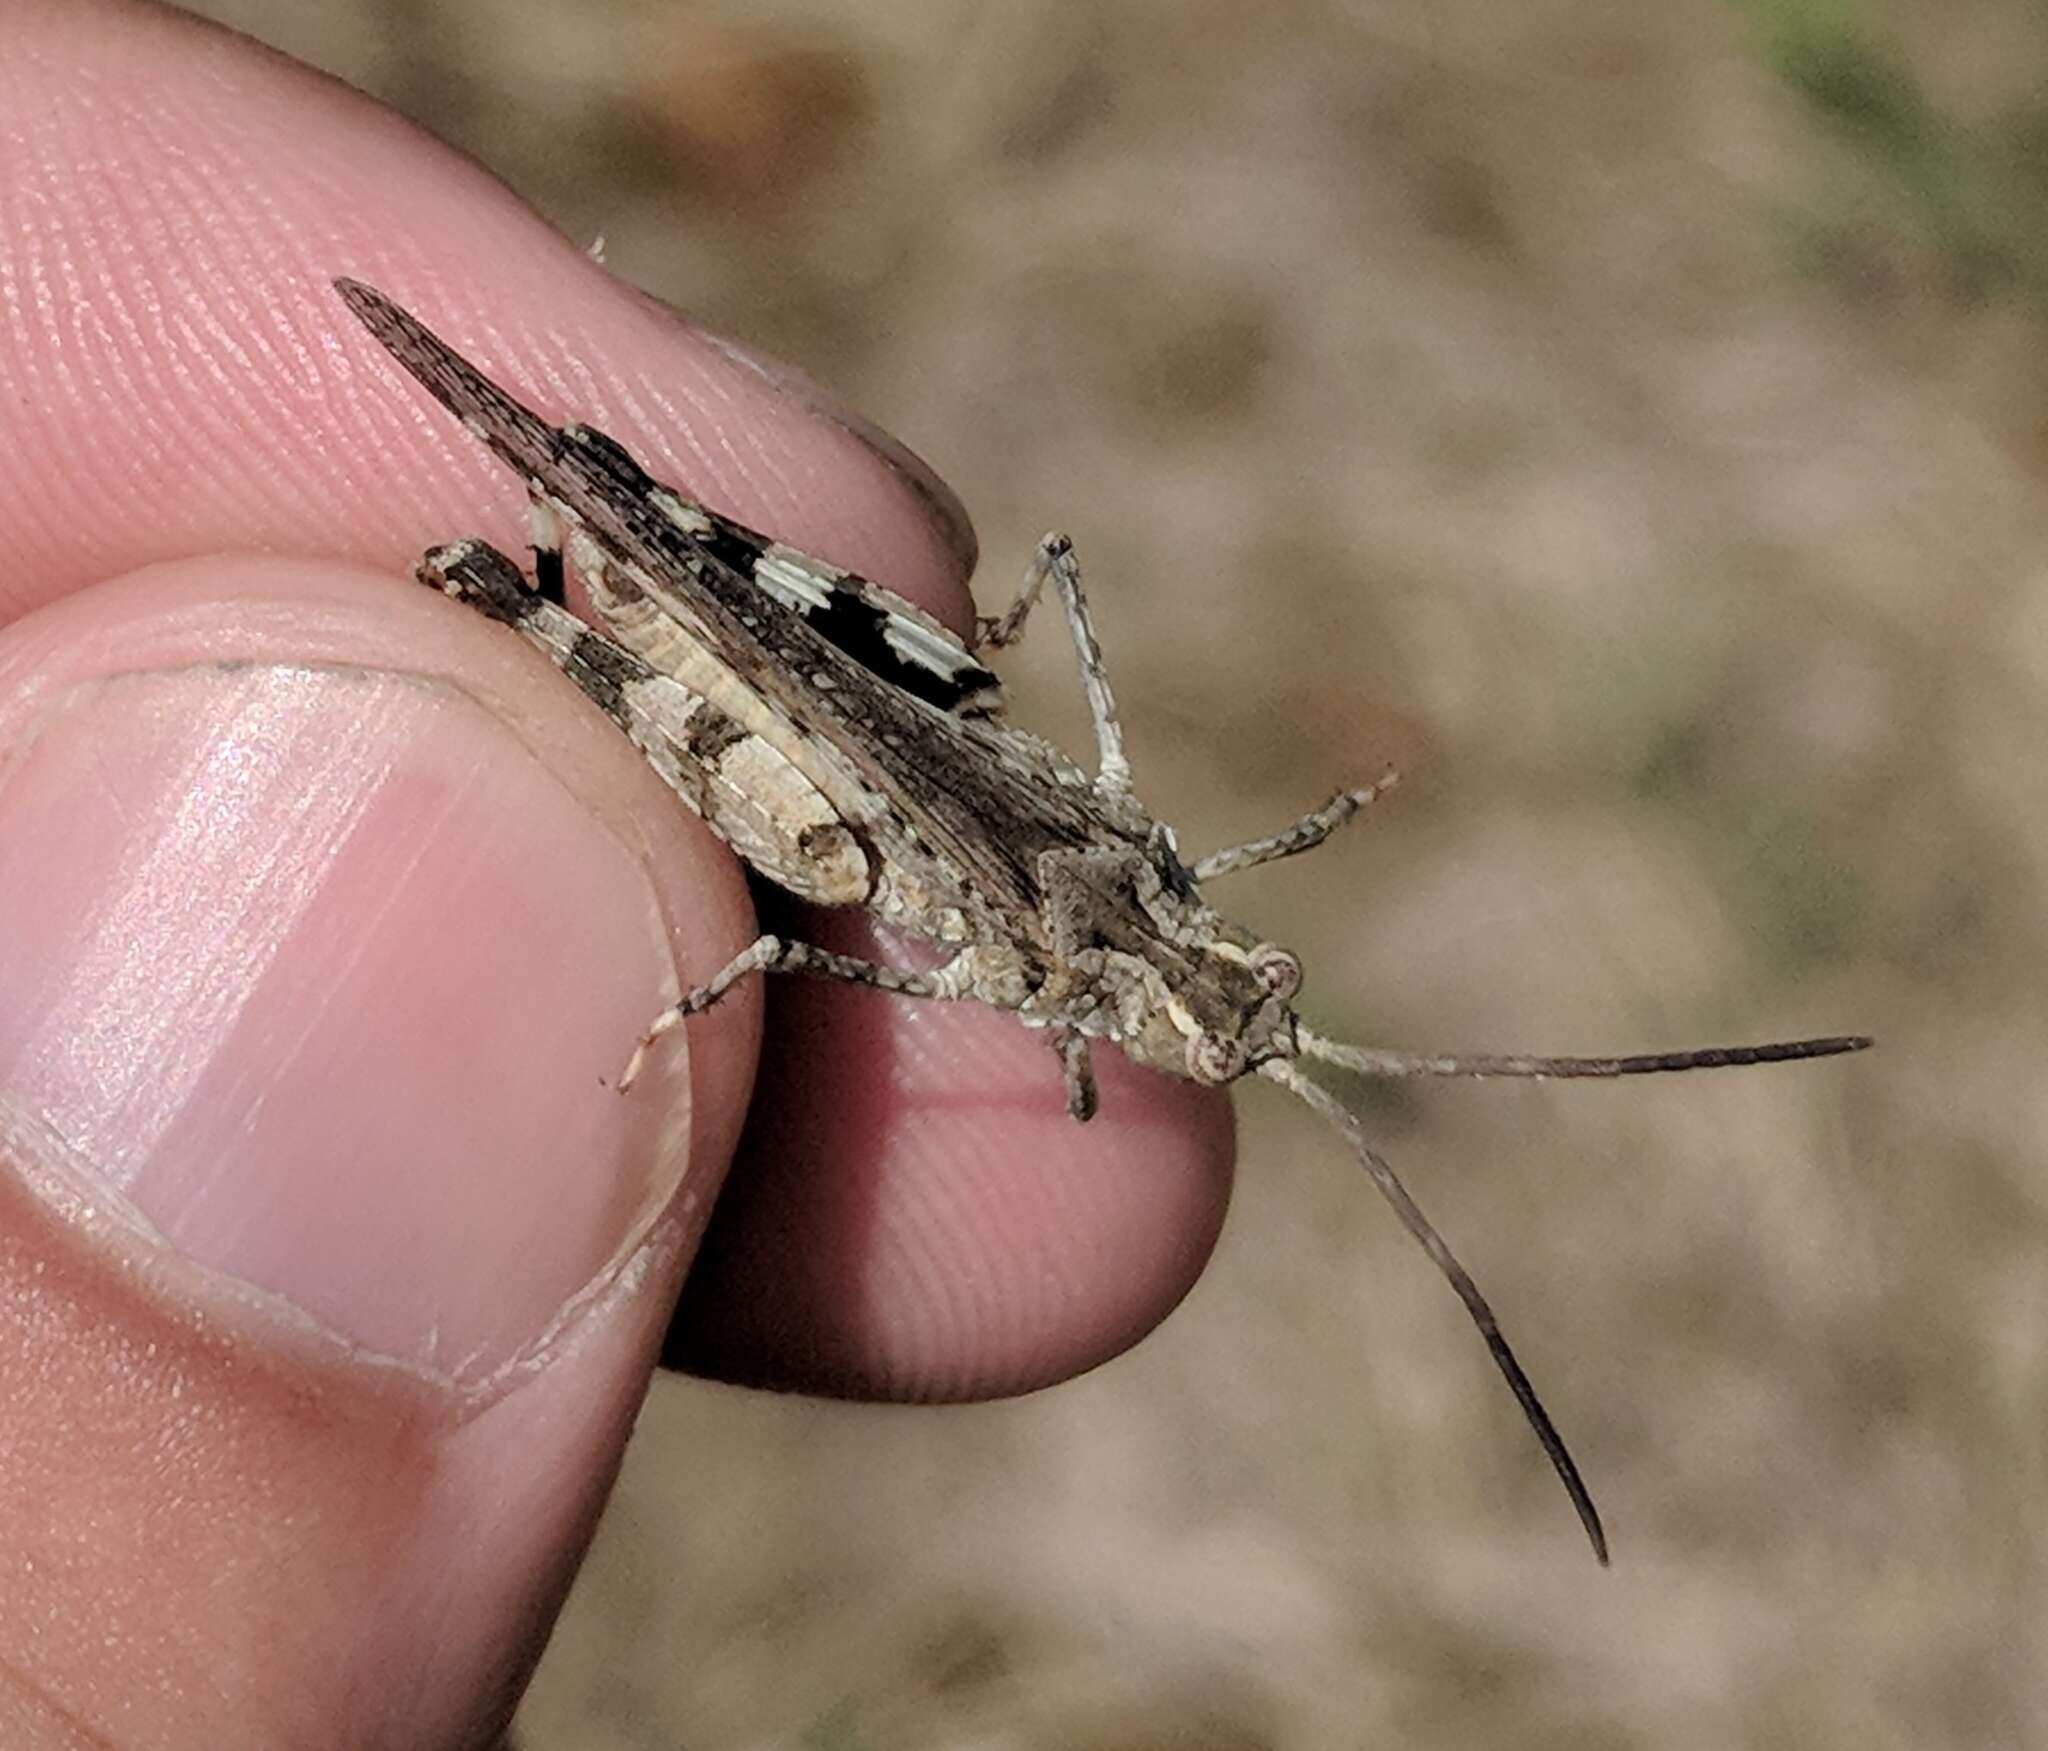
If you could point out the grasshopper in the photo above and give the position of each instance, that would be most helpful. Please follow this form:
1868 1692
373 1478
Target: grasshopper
853 750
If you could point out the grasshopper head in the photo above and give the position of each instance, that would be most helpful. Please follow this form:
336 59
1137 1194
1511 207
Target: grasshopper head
1230 1010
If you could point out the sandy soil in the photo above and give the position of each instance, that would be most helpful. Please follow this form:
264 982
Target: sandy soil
1535 397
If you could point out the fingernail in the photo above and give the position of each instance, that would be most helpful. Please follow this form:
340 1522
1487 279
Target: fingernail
317 974
941 504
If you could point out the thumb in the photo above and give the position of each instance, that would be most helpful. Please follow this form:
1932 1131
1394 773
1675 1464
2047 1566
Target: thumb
331 1266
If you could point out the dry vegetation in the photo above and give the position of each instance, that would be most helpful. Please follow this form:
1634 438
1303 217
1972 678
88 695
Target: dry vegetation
1629 420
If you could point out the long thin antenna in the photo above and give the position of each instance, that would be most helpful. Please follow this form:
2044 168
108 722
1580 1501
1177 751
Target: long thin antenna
1383 1176
1369 1061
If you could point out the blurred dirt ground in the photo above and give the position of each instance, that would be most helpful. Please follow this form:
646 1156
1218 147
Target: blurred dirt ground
1629 420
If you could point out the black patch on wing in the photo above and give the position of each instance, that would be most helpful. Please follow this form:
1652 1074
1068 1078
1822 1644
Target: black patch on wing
859 628
732 546
852 623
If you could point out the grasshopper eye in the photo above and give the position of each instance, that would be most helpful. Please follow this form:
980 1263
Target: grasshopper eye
1215 1058
1277 971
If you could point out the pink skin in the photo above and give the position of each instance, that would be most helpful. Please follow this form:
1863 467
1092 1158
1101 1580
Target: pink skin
324 911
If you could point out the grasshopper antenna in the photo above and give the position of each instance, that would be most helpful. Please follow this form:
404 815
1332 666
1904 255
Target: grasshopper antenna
1341 1119
1369 1061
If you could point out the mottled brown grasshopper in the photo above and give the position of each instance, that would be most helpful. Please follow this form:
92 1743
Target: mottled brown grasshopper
853 750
